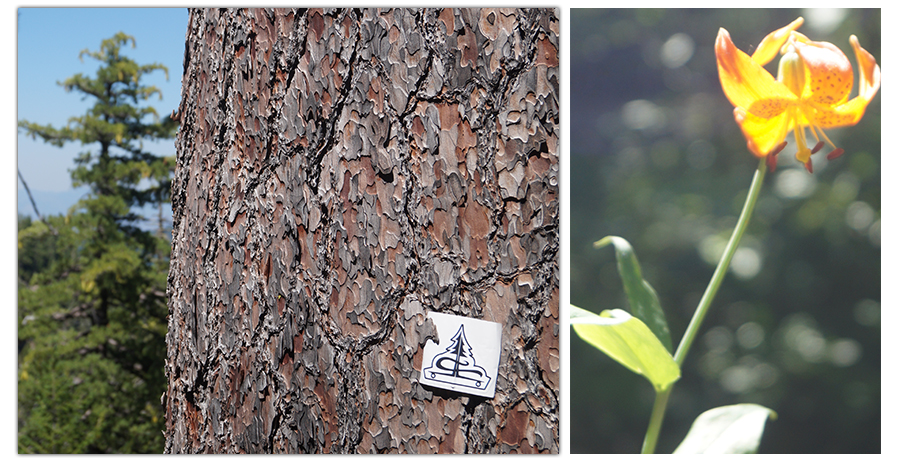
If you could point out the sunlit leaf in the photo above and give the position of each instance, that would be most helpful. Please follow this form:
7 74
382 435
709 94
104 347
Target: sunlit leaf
642 297
627 340
734 429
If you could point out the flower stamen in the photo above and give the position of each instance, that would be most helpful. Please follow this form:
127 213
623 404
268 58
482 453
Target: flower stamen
772 157
835 153
816 130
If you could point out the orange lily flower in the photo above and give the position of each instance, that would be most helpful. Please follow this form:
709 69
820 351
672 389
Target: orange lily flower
812 90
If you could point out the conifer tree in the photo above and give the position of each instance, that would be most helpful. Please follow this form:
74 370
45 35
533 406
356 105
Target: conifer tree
92 322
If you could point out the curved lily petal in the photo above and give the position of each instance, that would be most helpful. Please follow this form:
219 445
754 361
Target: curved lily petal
849 113
869 72
829 75
744 81
846 114
762 134
771 44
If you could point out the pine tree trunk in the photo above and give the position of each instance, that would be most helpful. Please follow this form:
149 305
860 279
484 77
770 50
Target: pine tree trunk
341 173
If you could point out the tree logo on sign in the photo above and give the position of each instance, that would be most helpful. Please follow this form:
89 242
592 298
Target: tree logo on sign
456 365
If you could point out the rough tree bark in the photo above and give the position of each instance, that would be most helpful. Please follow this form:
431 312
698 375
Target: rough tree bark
340 174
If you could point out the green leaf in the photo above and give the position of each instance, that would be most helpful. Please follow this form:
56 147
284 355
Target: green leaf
734 429
627 340
643 299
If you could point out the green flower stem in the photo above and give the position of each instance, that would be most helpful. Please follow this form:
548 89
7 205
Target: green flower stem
662 398
656 419
719 274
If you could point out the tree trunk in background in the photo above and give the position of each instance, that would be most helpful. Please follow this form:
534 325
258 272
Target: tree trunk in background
340 174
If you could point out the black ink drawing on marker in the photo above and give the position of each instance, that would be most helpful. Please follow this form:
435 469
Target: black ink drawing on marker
456 365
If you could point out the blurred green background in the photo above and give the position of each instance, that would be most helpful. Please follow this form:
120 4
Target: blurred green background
658 159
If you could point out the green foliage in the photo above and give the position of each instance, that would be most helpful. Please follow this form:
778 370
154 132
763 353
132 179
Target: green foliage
643 299
629 341
36 248
92 306
733 429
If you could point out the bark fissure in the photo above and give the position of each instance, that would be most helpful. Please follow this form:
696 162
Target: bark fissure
298 45
327 141
414 94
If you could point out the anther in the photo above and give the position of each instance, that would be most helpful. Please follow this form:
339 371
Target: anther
772 157
780 147
835 153
771 162
808 165
818 147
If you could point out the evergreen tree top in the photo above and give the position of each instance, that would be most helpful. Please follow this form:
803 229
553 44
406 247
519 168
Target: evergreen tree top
119 124
116 117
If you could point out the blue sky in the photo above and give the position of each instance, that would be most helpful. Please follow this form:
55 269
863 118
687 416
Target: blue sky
49 41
